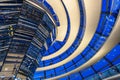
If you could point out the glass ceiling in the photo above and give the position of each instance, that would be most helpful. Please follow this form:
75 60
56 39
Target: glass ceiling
30 32
107 20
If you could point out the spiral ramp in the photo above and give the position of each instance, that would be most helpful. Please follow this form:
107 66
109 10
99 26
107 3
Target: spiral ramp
83 44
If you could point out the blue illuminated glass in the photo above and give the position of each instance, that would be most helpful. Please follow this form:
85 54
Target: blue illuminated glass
100 64
87 72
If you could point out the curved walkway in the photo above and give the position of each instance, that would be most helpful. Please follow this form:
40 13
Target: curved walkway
75 22
112 40
92 10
